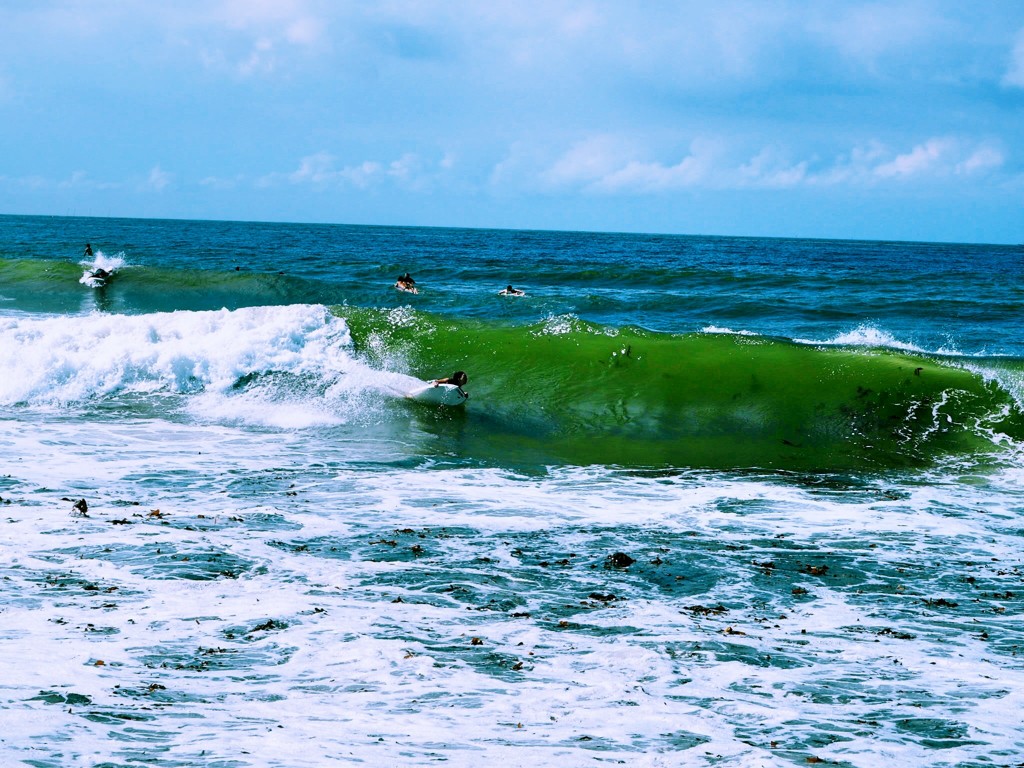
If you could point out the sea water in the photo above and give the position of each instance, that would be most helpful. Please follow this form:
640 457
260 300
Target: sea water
712 501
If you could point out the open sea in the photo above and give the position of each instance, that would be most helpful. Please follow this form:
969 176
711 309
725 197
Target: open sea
712 502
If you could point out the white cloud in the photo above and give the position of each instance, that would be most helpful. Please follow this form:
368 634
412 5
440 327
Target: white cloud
252 37
613 165
304 31
407 168
588 161
1015 73
772 168
853 167
984 158
158 179
636 176
933 159
362 175
219 182
321 170
939 157
865 32
260 59
315 169
928 157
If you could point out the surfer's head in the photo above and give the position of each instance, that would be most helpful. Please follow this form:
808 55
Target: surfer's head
458 378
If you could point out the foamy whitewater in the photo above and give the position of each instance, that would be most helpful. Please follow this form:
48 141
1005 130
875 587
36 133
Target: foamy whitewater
773 518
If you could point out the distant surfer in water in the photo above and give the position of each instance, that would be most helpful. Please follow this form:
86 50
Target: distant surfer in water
406 283
459 379
510 291
88 249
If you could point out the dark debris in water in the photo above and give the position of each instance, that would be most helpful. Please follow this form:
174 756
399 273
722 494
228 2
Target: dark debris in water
939 602
814 570
270 625
702 610
887 632
619 560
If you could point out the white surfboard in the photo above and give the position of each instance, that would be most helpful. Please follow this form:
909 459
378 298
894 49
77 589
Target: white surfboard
440 394
92 280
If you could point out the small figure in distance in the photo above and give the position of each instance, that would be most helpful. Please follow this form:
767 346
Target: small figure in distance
88 249
510 291
459 379
406 283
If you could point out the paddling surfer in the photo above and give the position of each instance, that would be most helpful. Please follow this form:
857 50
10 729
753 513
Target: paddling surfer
510 291
406 283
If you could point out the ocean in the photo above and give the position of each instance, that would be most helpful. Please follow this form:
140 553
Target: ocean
712 501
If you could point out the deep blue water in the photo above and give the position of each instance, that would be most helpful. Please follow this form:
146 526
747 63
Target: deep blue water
958 297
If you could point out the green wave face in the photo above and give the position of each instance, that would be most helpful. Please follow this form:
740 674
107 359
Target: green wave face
567 392
53 286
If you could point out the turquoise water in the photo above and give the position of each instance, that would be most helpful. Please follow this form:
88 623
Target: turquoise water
712 500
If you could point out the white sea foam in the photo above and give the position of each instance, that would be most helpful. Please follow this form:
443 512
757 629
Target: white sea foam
109 264
371 655
1010 379
714 329
63 360
287 367
866 336
386 656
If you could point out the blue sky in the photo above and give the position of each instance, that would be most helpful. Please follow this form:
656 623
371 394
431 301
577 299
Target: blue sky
887 120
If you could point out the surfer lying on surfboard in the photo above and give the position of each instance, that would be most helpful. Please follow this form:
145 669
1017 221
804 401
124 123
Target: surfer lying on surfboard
447 391
510 291
406 283
458 379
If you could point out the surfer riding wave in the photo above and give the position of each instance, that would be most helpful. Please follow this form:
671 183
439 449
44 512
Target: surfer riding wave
99 269
458 379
